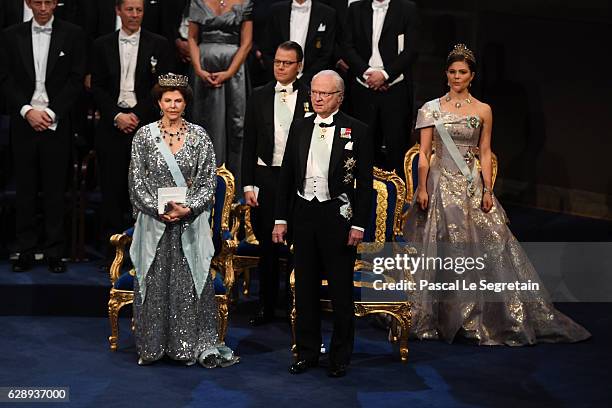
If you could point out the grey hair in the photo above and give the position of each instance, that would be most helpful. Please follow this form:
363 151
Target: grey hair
331 73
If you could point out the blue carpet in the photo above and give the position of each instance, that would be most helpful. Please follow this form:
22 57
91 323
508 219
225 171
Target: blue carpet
73 352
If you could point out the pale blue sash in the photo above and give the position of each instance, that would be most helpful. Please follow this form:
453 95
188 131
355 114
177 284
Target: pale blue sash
196 239
435 107
282 112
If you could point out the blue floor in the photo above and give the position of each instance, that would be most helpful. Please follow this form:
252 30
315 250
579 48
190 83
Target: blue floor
73 352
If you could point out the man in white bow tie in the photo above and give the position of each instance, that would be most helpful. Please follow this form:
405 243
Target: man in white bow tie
44 60
324 198
270 112
125 67
380 47
310 24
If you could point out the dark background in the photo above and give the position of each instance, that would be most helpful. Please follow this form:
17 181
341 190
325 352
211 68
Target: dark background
544 67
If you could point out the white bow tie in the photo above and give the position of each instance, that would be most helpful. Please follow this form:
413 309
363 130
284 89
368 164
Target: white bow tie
303 8
42 30
128 40
380 5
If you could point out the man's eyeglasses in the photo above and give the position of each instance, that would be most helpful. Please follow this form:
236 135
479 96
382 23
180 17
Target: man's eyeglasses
286 64
323 95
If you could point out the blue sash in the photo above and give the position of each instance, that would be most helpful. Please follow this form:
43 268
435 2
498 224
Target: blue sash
451 147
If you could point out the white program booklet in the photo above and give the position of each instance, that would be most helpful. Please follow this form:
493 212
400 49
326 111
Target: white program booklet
167 194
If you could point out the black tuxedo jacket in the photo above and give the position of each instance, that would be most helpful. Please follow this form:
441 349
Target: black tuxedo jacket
65 66
319 46
11 11
341 178
401 19
259 126
106 74
171 17
101 17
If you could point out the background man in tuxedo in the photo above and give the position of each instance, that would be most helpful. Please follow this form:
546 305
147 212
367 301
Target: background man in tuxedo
125 67
380 49
310 24
326 155
101 19
44 63
17 11
270 111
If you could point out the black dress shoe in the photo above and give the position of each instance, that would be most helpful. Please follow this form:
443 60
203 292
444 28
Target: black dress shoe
260 319
56 265
336 370
301 366
23 263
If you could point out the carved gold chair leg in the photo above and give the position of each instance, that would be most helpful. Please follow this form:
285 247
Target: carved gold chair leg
113 314
403 339
222 301
293 315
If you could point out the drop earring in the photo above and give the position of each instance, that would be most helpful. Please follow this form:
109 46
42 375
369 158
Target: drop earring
161 112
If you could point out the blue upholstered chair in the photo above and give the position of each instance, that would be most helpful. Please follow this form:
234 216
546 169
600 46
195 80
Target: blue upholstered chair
122 289
385 225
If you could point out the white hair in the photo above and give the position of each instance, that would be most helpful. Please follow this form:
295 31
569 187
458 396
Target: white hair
333 74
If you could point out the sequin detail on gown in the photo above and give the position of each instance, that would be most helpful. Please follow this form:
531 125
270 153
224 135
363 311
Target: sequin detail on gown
173 321
455 218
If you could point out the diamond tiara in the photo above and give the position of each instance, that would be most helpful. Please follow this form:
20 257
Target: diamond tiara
173 80
463 50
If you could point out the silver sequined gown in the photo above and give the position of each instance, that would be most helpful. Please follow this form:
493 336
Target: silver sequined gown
221 110
509 317
172 321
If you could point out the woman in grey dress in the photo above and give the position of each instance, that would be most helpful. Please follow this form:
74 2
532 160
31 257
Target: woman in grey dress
220 38
175 311
453 215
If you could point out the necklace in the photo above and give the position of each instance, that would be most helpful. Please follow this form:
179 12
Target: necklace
458 104
222 3
180 132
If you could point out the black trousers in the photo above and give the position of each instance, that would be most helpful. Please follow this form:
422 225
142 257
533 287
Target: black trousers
321 251
388 116
113 151
266 178
41 159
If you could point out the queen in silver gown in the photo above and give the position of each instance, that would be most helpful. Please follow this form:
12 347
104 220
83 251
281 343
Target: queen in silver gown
175 311
454 219
219 42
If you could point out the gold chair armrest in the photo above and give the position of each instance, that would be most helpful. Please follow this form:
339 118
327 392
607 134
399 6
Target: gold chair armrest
120 242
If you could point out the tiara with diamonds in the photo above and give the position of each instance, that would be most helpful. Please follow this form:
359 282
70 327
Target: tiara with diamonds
464 51
171 79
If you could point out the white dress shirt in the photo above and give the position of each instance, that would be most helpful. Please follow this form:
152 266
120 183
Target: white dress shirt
27 12
280 132
379 13
298 23
128 56
317 166
41 39
316 180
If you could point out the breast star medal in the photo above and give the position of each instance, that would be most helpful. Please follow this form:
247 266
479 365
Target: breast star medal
350 163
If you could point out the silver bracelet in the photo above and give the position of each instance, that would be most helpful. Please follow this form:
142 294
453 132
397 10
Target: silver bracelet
486 190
